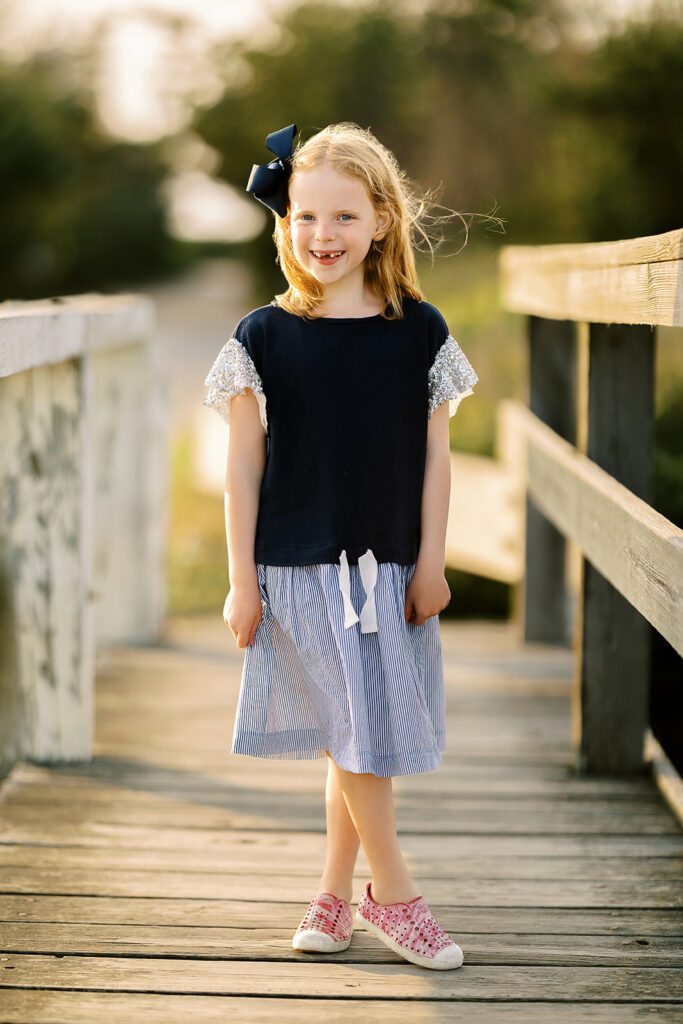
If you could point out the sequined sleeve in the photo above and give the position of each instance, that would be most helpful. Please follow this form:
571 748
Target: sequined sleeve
232 372
451 377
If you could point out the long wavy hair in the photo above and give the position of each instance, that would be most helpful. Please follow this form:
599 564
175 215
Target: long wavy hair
390 262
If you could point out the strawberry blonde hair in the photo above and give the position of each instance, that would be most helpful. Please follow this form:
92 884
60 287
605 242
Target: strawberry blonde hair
390 262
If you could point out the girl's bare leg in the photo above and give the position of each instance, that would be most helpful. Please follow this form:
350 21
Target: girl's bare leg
342 840
370 803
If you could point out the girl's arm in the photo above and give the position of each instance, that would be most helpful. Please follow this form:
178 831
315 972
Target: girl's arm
436 491
245 466
428 591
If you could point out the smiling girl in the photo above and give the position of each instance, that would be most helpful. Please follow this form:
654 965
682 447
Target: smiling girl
338 394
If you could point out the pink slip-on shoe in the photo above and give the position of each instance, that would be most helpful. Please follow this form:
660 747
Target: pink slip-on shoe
327 925
411 930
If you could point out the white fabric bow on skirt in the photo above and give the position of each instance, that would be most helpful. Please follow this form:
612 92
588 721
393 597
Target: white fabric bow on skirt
367 564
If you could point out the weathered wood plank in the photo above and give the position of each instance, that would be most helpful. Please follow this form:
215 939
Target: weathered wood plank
124 880
634 547
483 779
428 863
268 943
635 281
555 892
531 817
54 1007
311 844
41 332
647 805
173 912
394 979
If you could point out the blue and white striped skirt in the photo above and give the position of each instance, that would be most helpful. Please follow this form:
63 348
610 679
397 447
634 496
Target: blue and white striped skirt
335 666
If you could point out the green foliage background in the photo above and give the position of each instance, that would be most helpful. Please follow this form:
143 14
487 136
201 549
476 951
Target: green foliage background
495 100
498 102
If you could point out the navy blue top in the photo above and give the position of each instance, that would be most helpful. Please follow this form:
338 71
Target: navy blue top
347 411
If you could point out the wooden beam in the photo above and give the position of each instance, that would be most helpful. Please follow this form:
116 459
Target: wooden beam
44 332
635 547
636 281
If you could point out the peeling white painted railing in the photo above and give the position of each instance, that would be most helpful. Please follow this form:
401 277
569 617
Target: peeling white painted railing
82 508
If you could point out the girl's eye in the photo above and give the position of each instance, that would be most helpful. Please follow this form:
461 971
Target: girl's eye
305 215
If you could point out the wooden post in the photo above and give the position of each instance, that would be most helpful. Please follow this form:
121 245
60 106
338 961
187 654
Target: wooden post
82 465
129 493
552 362
46 656
610 708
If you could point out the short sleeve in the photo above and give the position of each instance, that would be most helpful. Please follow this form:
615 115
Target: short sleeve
232 372
451 376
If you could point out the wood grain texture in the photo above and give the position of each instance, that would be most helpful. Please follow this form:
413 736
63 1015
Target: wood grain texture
633 546
636 281
545 599
354 980
55 1007
46 648
42 332
82 397
163 881
611 711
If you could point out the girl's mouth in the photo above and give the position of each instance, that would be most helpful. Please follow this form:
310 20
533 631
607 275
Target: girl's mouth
327 258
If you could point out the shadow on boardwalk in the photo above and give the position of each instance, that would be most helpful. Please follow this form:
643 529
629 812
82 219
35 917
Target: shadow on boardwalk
163 882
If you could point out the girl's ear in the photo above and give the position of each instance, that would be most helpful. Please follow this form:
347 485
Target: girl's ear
383 222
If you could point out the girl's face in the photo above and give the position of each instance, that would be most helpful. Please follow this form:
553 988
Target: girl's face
332 213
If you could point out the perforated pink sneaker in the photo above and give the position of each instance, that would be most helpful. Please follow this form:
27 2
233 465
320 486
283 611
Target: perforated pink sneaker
327 925
411 930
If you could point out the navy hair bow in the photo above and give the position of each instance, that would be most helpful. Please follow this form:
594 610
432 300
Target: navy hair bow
269 182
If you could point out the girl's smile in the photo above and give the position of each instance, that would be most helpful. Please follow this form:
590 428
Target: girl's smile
333 223
326 259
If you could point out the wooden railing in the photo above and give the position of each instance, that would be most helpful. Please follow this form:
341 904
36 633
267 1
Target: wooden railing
587 444
82 484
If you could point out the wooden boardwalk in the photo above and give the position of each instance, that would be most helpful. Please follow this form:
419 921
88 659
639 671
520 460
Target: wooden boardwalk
163 882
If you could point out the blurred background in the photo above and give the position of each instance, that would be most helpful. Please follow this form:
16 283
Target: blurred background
128 131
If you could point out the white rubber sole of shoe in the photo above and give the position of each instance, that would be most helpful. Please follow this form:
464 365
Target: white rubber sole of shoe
313 941
409 954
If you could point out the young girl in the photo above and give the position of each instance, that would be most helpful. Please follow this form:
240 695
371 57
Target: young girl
337 492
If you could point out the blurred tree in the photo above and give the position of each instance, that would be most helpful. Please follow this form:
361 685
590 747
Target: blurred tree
79 211
617 146
484 68
333 62
449 93
494 98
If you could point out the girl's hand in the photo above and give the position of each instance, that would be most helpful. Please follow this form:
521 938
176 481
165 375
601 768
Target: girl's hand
243 612
427 594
